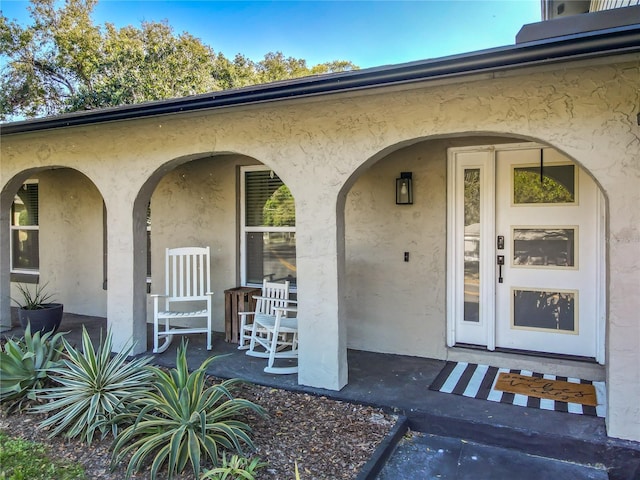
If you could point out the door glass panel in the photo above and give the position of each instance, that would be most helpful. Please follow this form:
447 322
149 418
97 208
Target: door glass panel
472 245
556 184
553 247
545 310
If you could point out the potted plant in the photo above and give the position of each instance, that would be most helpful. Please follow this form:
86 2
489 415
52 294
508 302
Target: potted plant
37 309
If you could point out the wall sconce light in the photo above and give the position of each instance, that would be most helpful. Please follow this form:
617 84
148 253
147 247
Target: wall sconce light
404 189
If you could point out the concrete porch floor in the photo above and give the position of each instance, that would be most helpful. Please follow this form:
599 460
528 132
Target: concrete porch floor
400 384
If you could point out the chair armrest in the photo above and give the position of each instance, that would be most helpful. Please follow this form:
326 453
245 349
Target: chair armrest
285 309
284 300
158 295
246 313
209 293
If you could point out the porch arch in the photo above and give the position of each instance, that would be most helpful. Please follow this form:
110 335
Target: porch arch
368 198
375 177
71 227
193 200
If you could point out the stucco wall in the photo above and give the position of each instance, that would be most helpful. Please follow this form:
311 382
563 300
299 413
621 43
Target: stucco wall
71 241
320 147
396 306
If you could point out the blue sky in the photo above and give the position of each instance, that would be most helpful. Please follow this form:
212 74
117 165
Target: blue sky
369 33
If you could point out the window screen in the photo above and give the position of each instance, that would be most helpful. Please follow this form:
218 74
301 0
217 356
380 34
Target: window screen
25 244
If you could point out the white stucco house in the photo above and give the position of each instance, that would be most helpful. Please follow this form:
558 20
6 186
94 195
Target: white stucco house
521 246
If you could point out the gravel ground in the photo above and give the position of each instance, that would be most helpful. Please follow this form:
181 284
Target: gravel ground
327 438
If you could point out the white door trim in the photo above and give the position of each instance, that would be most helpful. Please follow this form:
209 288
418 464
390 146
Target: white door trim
456 163
485 162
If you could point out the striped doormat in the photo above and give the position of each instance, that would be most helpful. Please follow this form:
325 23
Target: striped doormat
478 381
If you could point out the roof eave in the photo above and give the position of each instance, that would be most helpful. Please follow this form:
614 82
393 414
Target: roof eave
614 41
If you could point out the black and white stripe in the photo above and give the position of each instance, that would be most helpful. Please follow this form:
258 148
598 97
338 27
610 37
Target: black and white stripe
478 381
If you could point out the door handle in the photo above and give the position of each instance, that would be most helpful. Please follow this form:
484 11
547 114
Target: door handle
500 261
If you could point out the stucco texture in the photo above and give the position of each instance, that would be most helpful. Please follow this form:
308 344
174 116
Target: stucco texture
339 155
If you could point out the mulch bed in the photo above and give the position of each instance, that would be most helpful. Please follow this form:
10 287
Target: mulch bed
328 439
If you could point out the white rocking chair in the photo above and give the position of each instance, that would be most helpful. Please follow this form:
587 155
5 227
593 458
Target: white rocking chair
273 294
279 337
187 296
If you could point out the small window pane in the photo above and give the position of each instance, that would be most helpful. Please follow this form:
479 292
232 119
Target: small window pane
25 244
556 185
472 245
546 310
25 206
268 201
271 255
544 247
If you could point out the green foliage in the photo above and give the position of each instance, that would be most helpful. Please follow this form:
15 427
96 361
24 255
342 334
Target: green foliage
25 364
62 62
33 300
471 196
235 468
181 421
280 210
94 389
24 460
527 188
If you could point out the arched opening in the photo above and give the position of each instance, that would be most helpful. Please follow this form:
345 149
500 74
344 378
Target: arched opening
55 237
229 202
396 297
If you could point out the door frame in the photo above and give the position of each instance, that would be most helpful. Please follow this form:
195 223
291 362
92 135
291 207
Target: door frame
486 162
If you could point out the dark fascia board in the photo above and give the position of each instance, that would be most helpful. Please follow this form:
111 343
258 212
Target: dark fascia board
604 43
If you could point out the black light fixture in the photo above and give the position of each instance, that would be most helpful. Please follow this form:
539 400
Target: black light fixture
404 189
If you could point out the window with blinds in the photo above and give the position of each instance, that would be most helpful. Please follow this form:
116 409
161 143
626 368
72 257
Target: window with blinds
268 228
25 245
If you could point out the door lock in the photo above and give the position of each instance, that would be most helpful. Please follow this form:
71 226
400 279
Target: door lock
500 242
500 265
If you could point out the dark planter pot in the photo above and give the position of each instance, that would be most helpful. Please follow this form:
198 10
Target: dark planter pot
46 319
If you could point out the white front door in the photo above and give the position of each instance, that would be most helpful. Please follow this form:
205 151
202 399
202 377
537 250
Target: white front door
525 263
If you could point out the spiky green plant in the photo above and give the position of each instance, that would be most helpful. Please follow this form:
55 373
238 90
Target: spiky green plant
234 468
182 420
94 389
33 300
25 364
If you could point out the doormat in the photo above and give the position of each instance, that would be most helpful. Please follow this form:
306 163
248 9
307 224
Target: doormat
584 393
479 381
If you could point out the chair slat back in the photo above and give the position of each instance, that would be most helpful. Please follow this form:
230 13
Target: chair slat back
187 274
274 295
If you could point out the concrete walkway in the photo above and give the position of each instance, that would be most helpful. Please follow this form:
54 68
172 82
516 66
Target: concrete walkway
434 457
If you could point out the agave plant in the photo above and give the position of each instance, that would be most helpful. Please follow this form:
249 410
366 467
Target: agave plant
182 420
25 365
234 468
95 389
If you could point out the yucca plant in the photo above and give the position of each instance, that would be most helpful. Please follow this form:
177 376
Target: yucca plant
182 420
94 389
33 300
25 364
234 468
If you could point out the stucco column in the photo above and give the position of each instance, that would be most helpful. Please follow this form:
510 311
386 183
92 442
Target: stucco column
623 362
320 251
5 264
126 269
